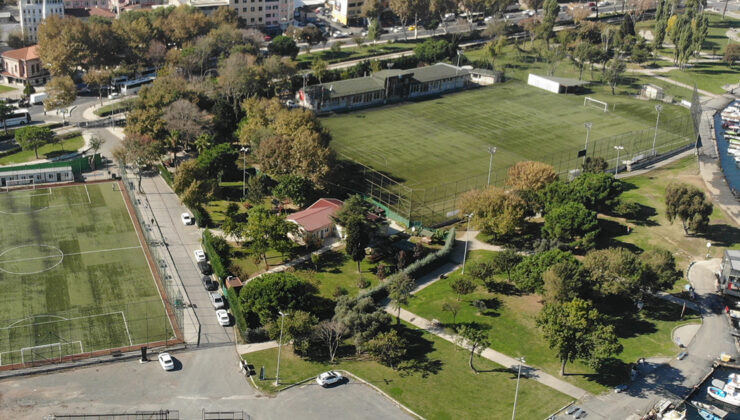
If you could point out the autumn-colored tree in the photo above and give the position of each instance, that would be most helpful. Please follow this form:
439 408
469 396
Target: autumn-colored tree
496 212
99 78
185 118
61 92
530 176
62 44
138 151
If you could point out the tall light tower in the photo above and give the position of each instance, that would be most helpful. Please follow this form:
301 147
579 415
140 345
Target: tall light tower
658 108
516 393
618 149
280 346
492 151
588 126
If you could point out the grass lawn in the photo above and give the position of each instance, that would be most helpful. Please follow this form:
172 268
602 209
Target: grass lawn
74 275
653 228
440 385
354 53
707 76
510 319
45 152
337 270
445 139
114 108
247 264
4 88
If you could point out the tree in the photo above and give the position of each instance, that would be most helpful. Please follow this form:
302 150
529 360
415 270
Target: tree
550 10
453 308
319 68
61 92
504 261
530 176
495 211
732 54
462 285
63 44
613 72
363 318
572 224
527 275
441 8
331 334
475 339
432 50
96 143
196 194
399 292
6 111
28 90
357 240
374 30
239 77
17 40
270 293
575 330
265 231
371 9
218 159
564 281
283 45
594 165
388 348
139 151
99 78
614 272
187 119
688 204
31 138
255 189
297 189
658 270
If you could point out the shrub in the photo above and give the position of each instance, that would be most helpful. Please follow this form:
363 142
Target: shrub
166 175
339 291
363 283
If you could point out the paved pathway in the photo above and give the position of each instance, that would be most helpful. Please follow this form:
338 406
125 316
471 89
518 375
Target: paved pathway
253 347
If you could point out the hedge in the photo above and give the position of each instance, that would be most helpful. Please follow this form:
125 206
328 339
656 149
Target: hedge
115 108
219 264
166 175
416 269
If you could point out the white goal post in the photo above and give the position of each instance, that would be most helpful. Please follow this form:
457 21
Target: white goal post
24 182
589 101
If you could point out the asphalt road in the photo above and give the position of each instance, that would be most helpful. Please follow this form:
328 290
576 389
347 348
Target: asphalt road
204 379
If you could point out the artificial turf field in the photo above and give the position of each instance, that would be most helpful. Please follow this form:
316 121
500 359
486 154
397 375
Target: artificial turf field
73 274
446 139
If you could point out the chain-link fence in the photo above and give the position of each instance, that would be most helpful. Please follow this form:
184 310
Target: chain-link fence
437 204
137 415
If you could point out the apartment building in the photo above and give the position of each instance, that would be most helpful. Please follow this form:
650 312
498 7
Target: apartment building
348 12
89 4
32 12
264 13
23 66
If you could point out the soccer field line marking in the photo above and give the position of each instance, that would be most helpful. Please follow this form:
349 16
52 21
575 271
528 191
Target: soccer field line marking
43 208
31 317
58 344
128 333
67 254
51 322
88 194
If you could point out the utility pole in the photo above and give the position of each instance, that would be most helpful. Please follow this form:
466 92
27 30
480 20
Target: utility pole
616 169
492 151
516 393
658 108
467 235
588 126
280 346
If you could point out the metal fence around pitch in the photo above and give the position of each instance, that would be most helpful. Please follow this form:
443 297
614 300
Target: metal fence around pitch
175 294
136 415
437 204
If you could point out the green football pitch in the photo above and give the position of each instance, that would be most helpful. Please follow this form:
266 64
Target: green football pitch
439 146
74 275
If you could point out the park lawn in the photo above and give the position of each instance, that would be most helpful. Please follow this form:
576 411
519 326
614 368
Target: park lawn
511 322
47 151
113 108
247 264
337 270
717 40
441 386
355 53
654 230
707 76
4 88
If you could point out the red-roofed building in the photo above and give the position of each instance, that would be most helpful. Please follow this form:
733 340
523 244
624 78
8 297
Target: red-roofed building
315 222
24 65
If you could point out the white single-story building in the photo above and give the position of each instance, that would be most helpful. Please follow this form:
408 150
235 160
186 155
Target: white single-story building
650 91
555 84
37 176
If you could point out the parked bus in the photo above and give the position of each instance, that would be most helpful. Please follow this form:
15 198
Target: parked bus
132 86
18 117
475 17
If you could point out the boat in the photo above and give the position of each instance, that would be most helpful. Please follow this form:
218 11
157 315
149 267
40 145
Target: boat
729 392
674 415
708 411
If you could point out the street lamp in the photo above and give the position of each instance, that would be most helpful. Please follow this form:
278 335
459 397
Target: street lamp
658 108
616 170
244 151
492 151
588 126
280 345
467 234
709 247
459 53
516 393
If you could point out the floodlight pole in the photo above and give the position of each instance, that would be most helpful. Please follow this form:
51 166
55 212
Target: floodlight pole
588 126
658 108
516 393
467 234
492 151
280 345
244 151
459 53
616 169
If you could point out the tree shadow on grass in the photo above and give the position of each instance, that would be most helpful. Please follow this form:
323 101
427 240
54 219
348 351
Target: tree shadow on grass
331 261
417 359
611 229
723 235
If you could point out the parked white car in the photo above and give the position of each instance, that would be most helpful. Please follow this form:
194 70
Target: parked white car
223 317
329 378
165 360
186 219
199 255
217 300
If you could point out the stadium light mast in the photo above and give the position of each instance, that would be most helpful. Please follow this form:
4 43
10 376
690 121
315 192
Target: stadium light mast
280 345
467 235
658 108
244 151
618 149
516 393
492 151
588 126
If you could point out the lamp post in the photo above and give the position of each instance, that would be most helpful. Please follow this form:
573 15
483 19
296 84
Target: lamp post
244 151
516 393
280 346
492 151
467 234
588 126
459 53
709 247
618 149
658 108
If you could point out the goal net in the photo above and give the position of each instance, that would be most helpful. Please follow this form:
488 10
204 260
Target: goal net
50 352
595 103
25 183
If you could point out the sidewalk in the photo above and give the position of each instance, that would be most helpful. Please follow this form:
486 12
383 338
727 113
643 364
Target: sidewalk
500 358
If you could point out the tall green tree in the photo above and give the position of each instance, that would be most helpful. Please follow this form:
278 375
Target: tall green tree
61 93
363 318
576 330
31 138
399 291
5 112
613 72
388 348
266 231
475 339
357 240
138 151
572 224
462 286
688 204
270 293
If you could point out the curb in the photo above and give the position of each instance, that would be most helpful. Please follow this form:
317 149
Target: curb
401 406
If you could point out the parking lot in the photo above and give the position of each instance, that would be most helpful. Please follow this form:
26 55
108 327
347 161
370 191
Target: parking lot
206 378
